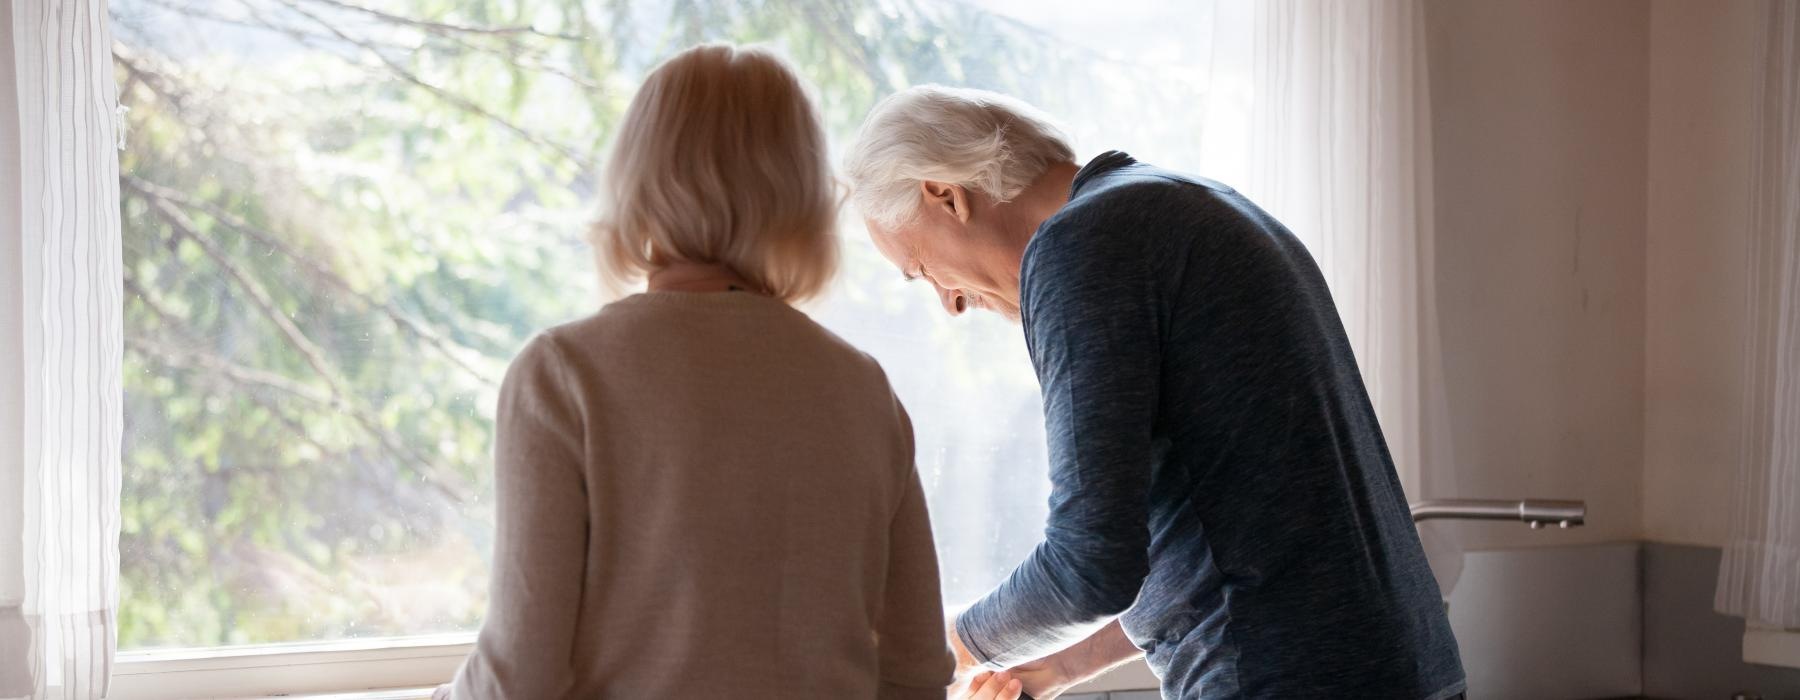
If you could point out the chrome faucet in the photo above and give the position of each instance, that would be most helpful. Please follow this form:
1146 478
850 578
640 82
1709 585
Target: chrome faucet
1537 513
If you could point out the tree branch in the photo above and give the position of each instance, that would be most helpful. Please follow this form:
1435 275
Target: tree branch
128 59
259 22
399 318
437 27
311 353
303 37
249 377
191 359
451 98
259 297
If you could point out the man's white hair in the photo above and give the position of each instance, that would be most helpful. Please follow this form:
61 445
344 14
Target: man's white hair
981 140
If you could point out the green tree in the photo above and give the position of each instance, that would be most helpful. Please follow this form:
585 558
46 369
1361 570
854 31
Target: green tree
342 219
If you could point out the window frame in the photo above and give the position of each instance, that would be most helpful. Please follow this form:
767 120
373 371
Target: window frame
388 668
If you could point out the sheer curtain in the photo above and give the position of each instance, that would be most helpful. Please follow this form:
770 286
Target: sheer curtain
1341 153
1759 576
60 344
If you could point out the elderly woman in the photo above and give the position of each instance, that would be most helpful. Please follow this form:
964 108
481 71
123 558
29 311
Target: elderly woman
701 492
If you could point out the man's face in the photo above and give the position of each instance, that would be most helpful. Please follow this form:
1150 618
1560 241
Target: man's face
950 263
959 252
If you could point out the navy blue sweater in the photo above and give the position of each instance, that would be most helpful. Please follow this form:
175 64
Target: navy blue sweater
1218 476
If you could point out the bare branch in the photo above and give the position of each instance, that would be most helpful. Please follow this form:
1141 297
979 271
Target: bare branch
444 27
259 297
515 53
127 58
208 127
847 42
451 98
400 318
259 22
293 425
232 373
179 358
310 352
220 367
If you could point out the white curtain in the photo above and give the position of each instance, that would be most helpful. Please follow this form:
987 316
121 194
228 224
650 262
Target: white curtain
60 348
1341 153
1759 576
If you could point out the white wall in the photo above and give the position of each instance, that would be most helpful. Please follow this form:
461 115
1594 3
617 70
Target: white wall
1539 120
1592 161
1592 164
1702 73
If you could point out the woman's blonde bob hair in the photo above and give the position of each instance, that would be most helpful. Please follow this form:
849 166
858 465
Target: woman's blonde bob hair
720 159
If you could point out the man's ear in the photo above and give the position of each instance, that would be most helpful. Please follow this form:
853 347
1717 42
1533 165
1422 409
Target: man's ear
951 199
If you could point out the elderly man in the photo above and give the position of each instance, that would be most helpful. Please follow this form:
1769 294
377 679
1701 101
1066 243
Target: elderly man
1222 498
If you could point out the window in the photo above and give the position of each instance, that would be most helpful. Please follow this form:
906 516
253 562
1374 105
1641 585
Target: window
342 217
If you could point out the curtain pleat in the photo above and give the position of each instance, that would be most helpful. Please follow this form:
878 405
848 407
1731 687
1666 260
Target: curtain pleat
1342 142
59 591
1759 574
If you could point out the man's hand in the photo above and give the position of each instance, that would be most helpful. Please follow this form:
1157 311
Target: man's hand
1048 677
1053 675
987 685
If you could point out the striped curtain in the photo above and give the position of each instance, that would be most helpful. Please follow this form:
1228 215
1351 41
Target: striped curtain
60 345
1759 576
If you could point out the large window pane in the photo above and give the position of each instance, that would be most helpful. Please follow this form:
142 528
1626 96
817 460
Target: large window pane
343 216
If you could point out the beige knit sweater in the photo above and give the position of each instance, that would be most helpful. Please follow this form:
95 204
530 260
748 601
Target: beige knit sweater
706 495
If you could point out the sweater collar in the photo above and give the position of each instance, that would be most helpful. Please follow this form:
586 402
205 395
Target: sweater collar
1101 164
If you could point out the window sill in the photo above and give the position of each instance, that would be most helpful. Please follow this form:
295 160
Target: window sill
394 668
396 694
1771 647
357 668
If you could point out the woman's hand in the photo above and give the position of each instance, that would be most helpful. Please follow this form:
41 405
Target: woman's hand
965 661
988 685
442 692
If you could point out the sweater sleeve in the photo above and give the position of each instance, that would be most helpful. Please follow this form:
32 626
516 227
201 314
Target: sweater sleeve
915 658
526 642
1092 321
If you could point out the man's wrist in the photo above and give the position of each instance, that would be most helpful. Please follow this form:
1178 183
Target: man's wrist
1082 662
1092 657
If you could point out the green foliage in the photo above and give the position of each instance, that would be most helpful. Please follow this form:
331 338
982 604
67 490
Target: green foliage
340 222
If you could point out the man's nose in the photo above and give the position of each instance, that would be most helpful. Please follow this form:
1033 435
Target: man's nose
954 301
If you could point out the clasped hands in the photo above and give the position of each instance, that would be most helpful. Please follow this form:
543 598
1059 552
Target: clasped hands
1043 679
